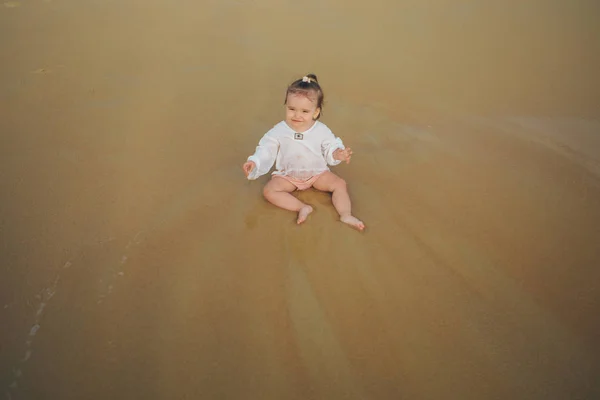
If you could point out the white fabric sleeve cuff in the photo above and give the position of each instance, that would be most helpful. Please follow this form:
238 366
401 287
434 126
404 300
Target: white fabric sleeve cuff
254 173
334 146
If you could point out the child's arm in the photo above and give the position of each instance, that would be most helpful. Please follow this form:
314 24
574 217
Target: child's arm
330 146
343 155
263 158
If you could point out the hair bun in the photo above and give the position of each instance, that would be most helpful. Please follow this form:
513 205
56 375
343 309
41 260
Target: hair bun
313 77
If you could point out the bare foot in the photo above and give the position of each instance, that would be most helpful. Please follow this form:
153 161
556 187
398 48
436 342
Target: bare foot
303 214
353 222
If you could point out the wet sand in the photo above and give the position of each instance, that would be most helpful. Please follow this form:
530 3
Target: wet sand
138 262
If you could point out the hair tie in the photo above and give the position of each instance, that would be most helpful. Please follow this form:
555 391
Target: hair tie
306 79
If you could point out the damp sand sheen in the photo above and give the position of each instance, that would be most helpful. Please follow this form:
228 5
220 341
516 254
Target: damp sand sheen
139 262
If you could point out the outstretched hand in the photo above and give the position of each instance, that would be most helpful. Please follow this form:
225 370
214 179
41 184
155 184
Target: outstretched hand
343 155
248 167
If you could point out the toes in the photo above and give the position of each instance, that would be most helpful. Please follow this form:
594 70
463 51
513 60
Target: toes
303 215
354 223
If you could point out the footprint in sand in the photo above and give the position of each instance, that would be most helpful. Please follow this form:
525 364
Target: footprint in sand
41 71
11 4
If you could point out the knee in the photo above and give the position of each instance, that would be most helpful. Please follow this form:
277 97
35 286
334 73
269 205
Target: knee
340 184
267 192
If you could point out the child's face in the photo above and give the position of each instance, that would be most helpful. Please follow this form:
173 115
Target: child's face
301 111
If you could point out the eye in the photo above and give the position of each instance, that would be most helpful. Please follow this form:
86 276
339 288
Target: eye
305 112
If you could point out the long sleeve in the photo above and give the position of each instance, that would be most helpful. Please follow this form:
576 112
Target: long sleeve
264 156
329 145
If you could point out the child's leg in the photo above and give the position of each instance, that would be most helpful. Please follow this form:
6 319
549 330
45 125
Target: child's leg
278 191
330 182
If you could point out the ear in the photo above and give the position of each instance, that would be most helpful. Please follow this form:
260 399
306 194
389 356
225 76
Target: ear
316 114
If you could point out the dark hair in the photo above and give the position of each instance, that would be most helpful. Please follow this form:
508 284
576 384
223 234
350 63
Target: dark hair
304 86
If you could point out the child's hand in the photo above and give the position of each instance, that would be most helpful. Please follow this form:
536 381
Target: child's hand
343 155
248 167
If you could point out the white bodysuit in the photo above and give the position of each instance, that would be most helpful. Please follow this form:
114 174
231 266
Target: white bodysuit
297 155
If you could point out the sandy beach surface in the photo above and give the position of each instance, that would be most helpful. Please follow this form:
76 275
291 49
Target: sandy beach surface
137 262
